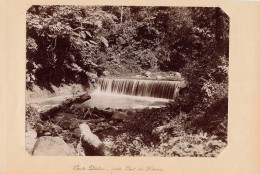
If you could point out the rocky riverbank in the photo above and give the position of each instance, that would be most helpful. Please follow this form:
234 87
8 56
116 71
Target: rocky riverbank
65 124
117 132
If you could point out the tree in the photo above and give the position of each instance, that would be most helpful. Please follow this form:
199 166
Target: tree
60 42
73 44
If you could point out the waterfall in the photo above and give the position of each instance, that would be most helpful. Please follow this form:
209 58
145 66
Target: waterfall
137 87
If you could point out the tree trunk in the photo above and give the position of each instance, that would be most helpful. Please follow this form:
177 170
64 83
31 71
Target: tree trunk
45 115
121 18
219 31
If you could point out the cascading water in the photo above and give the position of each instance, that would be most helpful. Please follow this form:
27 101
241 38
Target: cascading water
133 93
146 88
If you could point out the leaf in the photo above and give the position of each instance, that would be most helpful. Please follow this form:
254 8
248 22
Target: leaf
104 41
89 44
86 22
98 24
75 34
82 34
91 41
88 33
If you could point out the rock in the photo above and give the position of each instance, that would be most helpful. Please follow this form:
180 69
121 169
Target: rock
41 129
52 146
104 113
148 74
57 128
107 113
163 74
138 76
139 109
177 75
30 139
92 145
159 77
174 76
130 112
120 116
79 107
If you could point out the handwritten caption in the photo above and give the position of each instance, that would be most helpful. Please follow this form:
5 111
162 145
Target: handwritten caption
93 168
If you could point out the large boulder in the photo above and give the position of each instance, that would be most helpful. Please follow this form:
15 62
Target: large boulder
159 77
177 75
138 76
148 74
91 143
30 140
64 120
174 76
52 146
104 113
81 107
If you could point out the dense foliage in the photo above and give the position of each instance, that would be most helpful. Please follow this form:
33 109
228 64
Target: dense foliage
61 44
72 44
75 44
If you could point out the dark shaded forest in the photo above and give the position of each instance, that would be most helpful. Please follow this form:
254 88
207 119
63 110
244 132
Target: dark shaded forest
68 45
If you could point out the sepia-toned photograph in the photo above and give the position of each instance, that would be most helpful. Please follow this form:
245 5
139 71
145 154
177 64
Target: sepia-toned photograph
126 81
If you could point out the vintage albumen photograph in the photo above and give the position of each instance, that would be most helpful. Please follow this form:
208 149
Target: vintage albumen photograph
126 81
